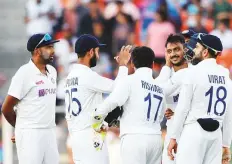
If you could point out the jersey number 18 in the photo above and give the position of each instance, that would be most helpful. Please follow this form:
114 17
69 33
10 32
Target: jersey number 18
220 99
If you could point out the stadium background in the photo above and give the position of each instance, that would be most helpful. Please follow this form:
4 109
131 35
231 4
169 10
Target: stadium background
114 23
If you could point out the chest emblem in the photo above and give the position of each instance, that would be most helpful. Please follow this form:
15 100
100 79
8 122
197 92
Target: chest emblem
53 80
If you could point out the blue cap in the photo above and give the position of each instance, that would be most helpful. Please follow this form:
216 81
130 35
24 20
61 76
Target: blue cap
86 42
39 40
210 41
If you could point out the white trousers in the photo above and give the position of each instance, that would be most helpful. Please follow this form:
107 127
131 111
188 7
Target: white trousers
84 151
37 146
197 146
141 149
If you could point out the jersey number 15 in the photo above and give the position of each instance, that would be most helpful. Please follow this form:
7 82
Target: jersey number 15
70 100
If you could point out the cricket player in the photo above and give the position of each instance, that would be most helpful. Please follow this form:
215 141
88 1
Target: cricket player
175 49
84 89
204 107
30 104
143 102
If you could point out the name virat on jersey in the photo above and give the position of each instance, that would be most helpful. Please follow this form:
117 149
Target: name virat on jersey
216 79
151 87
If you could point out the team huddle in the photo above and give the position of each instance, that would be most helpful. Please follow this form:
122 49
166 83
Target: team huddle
192 91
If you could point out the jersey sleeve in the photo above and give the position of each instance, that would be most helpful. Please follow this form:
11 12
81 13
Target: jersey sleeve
183 106
117 98
164 75
170 87
104 85
17 87
182 109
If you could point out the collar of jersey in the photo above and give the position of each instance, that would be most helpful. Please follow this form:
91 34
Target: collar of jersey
144 70
81 66
210 61
35 69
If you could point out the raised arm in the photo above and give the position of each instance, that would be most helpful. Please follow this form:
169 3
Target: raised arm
105 85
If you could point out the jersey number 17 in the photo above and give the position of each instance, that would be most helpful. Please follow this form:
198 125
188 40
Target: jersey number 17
149 98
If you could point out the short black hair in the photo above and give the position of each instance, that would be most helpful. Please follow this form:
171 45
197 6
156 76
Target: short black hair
82 54
174 38
143 56
212 53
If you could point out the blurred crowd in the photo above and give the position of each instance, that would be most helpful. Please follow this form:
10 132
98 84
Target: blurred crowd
120 22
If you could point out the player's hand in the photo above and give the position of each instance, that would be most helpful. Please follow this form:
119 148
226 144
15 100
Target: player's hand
100 126
13 139
172 147
168 113
104 127
168 59
124 55
226 155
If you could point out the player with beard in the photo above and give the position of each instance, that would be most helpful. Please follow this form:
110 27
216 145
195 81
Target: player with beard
30 104
84 90
203 117
175 50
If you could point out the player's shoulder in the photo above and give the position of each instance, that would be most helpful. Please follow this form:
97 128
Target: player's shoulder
230 83
180 73
126 80
130 77
193 70
82 72
186 75
223 69
25 69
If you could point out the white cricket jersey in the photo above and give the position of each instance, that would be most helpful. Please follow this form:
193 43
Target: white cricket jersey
143 103
205 93
37 96
84 89
172 99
